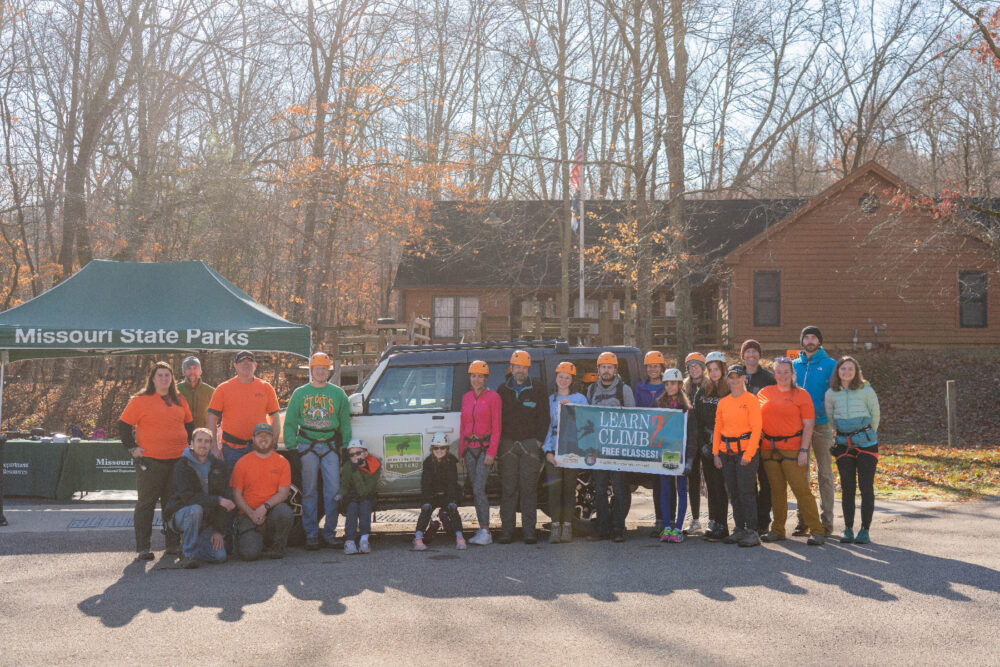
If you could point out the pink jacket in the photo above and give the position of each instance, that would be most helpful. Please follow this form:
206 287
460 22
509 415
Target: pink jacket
480 420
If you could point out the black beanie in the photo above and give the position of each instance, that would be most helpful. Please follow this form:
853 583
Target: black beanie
811 330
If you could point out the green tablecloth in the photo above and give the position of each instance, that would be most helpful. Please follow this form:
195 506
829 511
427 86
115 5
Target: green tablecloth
32 468
98 465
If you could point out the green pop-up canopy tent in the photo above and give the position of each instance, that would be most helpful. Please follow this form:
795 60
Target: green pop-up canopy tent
133 307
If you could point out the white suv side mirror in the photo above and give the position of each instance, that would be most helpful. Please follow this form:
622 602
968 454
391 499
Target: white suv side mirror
357 403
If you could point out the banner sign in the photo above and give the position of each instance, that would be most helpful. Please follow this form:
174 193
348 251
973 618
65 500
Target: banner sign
646 440
36 337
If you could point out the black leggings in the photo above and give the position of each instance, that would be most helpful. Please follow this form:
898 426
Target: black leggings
858 470
718 499
427 509
694 487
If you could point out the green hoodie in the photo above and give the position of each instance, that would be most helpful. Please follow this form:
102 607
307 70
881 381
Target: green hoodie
318 412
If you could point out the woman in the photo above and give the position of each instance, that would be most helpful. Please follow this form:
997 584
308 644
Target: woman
788 417
706 401
561 482
646 395
673 488
694 363
155 427
852 407
479 442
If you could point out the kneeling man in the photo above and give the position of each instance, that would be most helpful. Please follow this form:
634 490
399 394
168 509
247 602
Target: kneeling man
197 509
260 483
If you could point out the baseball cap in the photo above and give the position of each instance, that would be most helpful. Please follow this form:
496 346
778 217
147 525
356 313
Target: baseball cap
263 427
189 362
243 354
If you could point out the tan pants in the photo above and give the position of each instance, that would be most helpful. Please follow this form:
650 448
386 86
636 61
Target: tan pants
822 441
782 468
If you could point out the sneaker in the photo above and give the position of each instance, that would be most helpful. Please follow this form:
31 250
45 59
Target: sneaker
312 545
555 535
750 539
816 540
665 535
734 536
335 543
657 530
504 539
350 548
801 530
188 563
531 540
771 536
847 537
145 555
715 532
460 543
828 529
418 544
363 546
676 536
481 538
694 528
862 537
567 532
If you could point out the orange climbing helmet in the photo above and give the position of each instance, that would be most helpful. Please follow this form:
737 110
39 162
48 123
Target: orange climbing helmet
607 358
694 356
479 367
566 367
654 357
520 358
320 359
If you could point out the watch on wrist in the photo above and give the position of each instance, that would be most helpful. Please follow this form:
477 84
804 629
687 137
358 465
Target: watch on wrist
267 506
803 451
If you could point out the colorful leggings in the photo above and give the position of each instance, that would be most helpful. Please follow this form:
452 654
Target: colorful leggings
673 500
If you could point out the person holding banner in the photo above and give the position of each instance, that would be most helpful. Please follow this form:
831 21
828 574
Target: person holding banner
735 442
561 482
646 394
706 402
673 488
695 365
787 418
609 391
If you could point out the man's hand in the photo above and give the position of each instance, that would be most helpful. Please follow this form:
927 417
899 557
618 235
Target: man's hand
718 462
218 541
803 459
226 503
259 515
744 461
550 457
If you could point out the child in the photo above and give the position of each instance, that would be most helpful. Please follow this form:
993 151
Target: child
359 478
439 488
646 394
674 488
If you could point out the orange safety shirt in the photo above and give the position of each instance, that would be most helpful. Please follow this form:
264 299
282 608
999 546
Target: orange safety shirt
242 406
734 417
782 413
258 478
159 428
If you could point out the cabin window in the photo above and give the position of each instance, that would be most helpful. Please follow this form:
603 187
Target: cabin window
767 298
454 315
972 299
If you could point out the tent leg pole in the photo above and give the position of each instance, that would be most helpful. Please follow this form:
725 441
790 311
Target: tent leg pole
3 519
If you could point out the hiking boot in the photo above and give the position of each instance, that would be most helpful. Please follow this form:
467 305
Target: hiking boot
598 537
694 528
828 529
772 536
418 544
801 530
335 543
847 537
716 532
188 563
531 540
363 546
567 532
350 548
145 555
505 539
481 538
657 530
750 539
312 545
735 536
275 553
862 537
618 538
460 542
816 540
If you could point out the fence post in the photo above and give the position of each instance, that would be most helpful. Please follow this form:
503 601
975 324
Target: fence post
951 400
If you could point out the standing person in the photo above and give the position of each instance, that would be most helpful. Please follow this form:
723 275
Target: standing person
359 482
155 427
852 405
646 395
706 402
609 391
241 403
813 370
694 363
197 509
525 423
561 482
735 442
317 424
479 442
787 419
260 485
198 394
673 488
758 377
439 490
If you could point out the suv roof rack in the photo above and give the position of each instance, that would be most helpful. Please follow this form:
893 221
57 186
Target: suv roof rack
557 343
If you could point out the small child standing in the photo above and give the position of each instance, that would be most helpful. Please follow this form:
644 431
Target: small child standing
359 478
674 488
439 490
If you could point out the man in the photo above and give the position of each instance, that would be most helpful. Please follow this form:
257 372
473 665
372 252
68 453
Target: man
195 392
813 370
524 420
260 485
609 391
318 423
240 403
197 509
756 379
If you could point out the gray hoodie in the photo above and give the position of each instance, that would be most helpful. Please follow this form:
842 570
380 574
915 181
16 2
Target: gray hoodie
199 467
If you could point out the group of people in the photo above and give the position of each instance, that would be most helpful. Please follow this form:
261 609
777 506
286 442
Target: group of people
749 435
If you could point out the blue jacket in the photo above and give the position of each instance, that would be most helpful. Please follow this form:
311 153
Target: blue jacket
813 374
575 398
646 394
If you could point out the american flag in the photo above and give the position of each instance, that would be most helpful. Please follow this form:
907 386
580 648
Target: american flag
574 172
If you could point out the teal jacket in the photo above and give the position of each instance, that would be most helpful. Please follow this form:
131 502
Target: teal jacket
854 409
813 374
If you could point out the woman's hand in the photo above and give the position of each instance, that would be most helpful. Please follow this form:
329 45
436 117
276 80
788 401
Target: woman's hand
137 452
550 457
488 461
718 462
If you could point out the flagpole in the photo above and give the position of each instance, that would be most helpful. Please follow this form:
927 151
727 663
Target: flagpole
582 310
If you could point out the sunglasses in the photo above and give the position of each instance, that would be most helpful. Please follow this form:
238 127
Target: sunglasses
356 455
782 360
440 448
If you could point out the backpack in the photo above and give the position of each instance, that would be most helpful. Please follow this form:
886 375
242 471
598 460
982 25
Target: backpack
619 392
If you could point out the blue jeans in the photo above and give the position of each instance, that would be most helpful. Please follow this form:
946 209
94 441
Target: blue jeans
196 540
230 455
321 459
475 468
358 511
673 499
602 479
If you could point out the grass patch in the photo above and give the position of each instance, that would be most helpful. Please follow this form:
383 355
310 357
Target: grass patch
928 472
